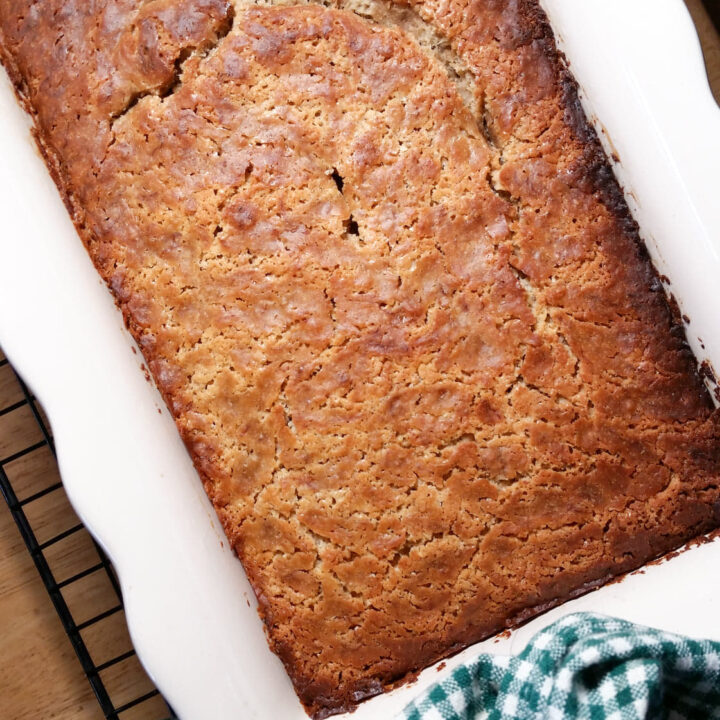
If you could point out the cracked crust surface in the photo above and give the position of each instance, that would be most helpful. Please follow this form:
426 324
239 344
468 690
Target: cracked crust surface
385 280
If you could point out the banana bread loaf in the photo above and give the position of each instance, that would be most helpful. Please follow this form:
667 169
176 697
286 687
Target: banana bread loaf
386 282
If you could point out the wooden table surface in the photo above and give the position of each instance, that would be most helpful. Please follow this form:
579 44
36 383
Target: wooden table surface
40 676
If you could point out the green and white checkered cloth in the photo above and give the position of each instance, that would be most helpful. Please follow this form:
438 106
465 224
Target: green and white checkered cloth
588 667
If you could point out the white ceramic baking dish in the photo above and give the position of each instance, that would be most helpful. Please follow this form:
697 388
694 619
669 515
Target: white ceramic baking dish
190 610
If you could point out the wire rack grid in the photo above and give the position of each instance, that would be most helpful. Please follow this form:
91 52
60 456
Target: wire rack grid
96 563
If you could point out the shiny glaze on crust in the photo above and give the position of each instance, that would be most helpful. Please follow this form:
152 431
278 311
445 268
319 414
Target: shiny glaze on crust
392 296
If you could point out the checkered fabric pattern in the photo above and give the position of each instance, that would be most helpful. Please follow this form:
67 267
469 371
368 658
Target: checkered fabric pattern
588 667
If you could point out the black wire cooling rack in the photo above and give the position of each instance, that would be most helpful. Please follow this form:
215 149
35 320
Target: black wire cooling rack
20 509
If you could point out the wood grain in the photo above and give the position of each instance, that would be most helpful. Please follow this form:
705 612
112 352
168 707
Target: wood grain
40 676
709 39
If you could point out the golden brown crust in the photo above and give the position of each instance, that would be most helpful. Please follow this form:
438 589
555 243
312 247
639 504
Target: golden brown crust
389 288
